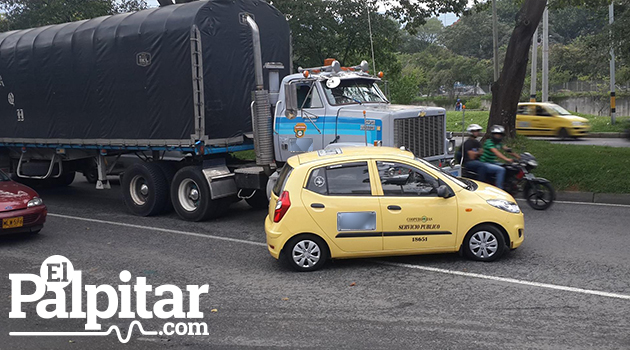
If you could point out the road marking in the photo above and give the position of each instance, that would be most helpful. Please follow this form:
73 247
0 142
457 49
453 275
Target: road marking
417 267
586 203
165 230
509 280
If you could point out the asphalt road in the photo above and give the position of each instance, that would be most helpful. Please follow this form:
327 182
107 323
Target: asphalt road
567 287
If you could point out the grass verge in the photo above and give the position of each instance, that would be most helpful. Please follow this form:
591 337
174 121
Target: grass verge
599 124
580 168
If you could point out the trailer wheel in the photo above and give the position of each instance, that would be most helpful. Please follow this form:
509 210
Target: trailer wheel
191 197
145 190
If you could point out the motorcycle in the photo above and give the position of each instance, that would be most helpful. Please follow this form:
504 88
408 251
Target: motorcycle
538 191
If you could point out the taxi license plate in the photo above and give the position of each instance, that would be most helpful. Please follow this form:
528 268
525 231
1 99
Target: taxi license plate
13 222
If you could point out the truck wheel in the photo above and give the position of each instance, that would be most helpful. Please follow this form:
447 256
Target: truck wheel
259 200
91 175
191 197
145 190
66 179
484 243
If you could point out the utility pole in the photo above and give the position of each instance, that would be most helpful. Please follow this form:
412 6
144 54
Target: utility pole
613 104
545 57
495 40
534 75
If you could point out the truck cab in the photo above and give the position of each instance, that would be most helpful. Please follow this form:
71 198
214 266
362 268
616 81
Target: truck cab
338 106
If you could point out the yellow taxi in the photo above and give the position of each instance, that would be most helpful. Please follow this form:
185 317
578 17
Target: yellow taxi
379 201
549 119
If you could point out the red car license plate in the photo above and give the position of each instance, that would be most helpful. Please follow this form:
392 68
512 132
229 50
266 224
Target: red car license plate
13 222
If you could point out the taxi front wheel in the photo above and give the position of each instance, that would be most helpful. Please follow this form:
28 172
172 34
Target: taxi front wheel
484 243
305 253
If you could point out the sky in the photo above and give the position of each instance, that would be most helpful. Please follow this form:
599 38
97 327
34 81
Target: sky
447 19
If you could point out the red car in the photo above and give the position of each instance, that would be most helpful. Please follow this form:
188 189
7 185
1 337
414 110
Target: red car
21 209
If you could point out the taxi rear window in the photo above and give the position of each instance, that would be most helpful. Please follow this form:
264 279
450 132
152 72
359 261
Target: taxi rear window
282 179
350 179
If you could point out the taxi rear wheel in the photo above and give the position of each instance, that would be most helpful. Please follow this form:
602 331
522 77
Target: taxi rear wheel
305 253
484 243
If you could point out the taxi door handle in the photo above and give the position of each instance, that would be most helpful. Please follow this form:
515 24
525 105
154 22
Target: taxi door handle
394 207
317 206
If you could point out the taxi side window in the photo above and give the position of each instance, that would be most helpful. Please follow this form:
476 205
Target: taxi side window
403 180
351 179
523 110
540 111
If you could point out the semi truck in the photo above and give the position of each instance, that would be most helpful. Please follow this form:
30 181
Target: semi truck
182 88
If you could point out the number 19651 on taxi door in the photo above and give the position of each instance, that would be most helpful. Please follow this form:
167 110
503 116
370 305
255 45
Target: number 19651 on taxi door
380 201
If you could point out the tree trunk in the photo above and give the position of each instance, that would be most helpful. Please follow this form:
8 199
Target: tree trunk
506 92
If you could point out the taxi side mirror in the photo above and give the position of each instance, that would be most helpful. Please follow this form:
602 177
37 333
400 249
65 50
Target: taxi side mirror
444 192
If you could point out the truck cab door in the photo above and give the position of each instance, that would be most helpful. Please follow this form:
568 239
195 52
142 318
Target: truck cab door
305 132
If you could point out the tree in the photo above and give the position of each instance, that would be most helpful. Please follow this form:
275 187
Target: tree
471 35
22 14
506 91
429 33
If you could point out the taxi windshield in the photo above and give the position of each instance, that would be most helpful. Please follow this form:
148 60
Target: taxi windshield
559 110
352 91
447 175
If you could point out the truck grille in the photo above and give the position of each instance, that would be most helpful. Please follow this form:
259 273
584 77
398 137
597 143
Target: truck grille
424 136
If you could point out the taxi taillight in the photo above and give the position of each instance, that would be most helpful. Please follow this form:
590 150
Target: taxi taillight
282 205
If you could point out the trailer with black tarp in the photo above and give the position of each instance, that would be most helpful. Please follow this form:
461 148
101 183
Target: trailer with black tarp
179 78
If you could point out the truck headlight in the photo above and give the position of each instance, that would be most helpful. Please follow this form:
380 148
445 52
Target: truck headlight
502 204
36 201
451 146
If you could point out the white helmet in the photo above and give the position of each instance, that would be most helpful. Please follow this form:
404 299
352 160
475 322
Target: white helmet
474 127
497 129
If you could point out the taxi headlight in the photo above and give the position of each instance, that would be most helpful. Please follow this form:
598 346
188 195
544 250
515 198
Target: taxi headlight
510 207
36 201
577 123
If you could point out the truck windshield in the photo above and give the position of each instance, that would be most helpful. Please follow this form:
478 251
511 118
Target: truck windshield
352 91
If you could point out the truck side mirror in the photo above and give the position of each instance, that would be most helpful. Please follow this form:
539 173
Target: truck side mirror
290 100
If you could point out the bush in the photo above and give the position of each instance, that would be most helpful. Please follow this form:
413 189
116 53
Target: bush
473 103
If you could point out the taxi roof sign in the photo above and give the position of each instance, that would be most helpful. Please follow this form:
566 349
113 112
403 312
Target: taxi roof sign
329 152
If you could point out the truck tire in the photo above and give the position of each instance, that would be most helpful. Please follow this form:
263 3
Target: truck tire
145 190
259 200
191 196
66 179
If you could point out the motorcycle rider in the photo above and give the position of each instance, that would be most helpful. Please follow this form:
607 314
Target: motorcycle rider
472 150
492 150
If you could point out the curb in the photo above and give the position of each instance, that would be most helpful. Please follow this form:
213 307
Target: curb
596 135
591 197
